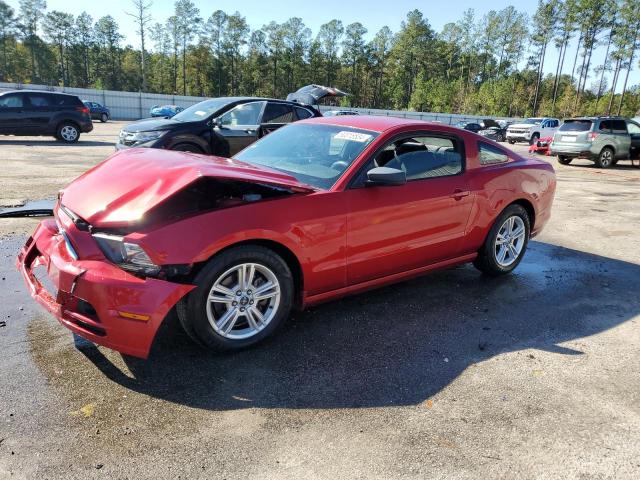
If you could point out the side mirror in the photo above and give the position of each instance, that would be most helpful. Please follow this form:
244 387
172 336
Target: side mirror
216 123
385 176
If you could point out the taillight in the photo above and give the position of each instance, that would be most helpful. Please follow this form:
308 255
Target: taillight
84 110
593 136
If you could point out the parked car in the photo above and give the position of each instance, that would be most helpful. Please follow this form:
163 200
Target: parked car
36 113
338 113
495 130
220 126
471 126
97 111
166 111
604 140
532 129
311 212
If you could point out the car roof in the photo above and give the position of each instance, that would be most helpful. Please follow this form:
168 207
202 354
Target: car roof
375 123
39 92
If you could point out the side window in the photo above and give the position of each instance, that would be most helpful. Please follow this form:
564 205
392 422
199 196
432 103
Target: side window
634 129
303 113
11 101
423 156
245 114
618 126
39 100
490 155
605 126
277 113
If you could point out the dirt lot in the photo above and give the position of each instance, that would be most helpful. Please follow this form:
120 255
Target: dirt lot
530 376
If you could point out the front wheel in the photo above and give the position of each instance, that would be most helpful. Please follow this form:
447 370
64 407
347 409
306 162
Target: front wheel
104 117
506 242
511 142
242 296
564 160
606 158
534 139
187 147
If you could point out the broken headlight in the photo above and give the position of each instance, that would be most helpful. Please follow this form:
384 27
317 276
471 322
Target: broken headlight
128 256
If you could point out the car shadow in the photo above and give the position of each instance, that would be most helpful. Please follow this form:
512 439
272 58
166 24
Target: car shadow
397 345
55 143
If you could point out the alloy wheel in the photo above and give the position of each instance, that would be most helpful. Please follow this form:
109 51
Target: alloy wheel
509 241
243 301
69 133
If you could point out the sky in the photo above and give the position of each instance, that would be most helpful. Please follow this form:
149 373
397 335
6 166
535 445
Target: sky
373 14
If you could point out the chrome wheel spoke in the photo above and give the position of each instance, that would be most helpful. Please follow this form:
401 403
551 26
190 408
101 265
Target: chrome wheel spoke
257 315
250 274
228 320
251 319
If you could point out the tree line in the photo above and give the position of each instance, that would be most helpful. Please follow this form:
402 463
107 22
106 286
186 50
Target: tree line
492 65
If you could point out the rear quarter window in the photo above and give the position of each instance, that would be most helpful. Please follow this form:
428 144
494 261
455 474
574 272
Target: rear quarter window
490 155
576 126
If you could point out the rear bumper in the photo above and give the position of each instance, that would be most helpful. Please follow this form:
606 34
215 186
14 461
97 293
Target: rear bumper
573 150
89 297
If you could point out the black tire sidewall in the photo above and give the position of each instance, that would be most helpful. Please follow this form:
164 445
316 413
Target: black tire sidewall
534 139
196 302
104 118
564 160
186 147
487 257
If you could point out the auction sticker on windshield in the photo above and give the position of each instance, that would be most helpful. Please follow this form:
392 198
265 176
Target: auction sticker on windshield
353 136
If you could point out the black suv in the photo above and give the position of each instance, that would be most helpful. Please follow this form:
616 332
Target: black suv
26 112
224 126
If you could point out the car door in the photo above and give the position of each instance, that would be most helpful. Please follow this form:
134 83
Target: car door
391 229
275 116
621 138
634 137
239 126
39 108
12 115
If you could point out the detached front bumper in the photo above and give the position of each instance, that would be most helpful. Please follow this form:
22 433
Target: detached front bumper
94 298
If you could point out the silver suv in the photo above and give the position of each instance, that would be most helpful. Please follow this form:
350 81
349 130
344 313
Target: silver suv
604 140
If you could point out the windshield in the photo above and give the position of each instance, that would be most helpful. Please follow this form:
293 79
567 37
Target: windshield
314 154
533 121
576 126
201 111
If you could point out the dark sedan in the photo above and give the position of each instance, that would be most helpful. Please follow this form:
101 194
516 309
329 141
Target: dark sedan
222 126
98 111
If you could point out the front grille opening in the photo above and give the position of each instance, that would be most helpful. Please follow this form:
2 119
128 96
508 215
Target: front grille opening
90 328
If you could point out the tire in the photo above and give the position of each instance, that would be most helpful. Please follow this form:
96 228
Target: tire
534 139
511 142
564 160
488 259
187 147
104 117
68 132
606 158
232 322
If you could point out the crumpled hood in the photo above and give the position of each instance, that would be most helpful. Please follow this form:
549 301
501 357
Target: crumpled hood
120 190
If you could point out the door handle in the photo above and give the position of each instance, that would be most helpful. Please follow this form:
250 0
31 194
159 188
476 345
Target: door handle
249 130
459 194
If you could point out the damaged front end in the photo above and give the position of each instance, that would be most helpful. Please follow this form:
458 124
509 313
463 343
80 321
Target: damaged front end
89 269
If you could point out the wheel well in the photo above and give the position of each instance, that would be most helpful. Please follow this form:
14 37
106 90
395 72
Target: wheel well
287 255
71 122
608 146
528 206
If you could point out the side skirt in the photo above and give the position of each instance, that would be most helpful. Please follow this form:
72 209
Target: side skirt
383 281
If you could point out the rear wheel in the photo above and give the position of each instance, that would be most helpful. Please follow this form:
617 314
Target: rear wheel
104 117
564 160
68 132
187 147
242 296
606 158
511 142
506 242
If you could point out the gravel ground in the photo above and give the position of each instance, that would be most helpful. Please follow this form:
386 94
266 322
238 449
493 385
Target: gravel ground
449 376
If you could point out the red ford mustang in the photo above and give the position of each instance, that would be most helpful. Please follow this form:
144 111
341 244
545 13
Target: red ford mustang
316 210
